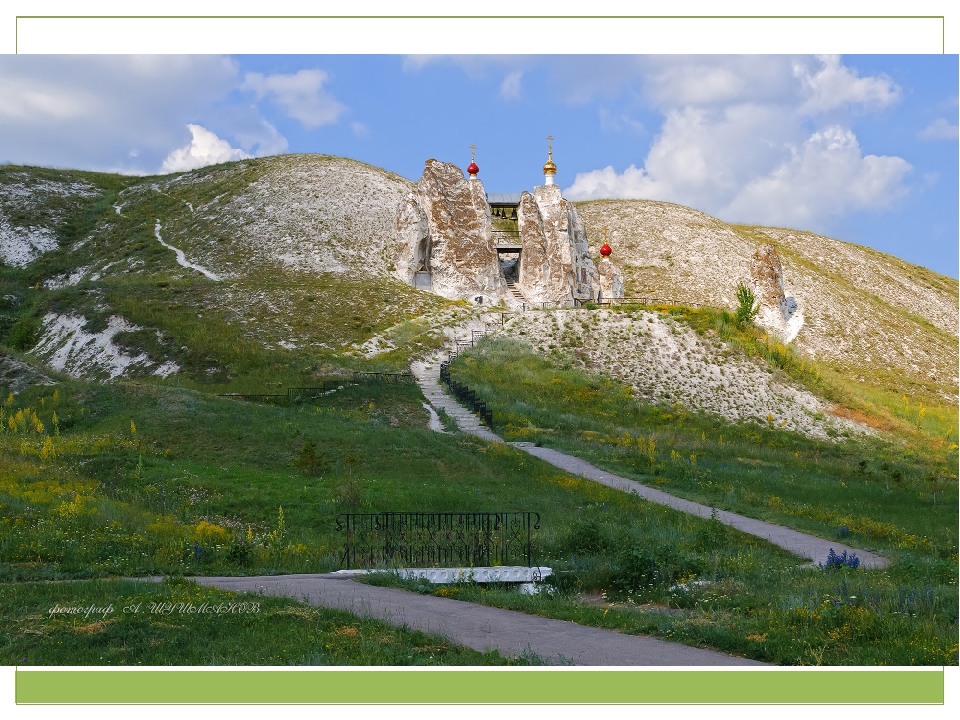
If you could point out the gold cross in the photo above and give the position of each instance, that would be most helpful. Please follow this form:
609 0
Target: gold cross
604 233
473 153
550 144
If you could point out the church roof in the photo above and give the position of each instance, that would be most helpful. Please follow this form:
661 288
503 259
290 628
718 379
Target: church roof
503 198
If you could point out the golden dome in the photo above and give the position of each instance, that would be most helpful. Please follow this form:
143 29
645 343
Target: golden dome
548 167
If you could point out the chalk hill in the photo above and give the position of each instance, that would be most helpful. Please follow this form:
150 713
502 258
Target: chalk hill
293 253
865 312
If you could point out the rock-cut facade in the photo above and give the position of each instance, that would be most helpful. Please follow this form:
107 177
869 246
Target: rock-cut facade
445 244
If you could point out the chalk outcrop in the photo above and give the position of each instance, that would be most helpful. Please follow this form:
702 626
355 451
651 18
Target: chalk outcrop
555 264
778 313
445 245
445 240
411 257
609 280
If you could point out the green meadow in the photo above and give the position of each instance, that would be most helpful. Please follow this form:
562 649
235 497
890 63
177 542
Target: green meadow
141 477
177 622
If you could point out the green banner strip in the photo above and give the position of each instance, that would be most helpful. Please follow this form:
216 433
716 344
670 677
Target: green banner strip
480 687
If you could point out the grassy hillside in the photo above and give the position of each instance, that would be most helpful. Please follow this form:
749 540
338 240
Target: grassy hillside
298 247
118 458
899 499
875 319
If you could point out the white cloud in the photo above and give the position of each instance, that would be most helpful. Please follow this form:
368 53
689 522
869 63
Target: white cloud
205 148
301 95
510 87
254 134
359 129
24 101
828 177
736 141
94 111
833 85
671 81
939 129
700 158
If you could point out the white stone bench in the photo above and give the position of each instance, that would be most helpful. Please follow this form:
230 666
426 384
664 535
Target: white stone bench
527 577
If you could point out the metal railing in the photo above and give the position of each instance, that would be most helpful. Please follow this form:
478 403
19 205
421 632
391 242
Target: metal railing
398 377
630 301
506 237
465 395
296 395
437 539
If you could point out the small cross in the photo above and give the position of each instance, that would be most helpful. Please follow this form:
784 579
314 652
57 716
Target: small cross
473 153
550 143
604 233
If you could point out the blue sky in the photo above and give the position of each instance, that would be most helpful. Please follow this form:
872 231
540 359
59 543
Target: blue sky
862 148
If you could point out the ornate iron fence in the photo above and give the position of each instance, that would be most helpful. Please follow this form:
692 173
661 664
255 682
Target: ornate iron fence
437 539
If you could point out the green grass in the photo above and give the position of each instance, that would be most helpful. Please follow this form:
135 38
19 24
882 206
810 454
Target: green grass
196 484
897 499
226 336
881 492
145 623
782 616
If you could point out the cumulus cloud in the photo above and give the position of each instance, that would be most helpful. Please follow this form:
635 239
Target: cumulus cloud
121 113
510 87
701 157
940 129
204 148
833 85
827 177
736 141
301 95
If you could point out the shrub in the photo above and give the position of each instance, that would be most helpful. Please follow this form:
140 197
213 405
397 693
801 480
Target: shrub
23 334
746 300
308 460
711 535
585 537
639 567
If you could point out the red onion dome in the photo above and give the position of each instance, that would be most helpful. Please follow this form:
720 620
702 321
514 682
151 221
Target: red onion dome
473 169
605 250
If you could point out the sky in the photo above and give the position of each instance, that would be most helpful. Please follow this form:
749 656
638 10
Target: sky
860 148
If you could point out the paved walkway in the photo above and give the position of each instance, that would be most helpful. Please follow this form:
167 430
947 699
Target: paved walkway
478 626
806 546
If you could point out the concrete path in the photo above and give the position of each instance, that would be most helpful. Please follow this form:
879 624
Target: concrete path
478 626
806 546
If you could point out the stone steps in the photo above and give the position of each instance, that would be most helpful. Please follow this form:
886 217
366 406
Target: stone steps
428 378
512 287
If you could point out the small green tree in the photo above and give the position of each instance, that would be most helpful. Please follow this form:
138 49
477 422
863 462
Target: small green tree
746 300
23 334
